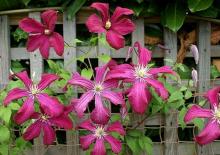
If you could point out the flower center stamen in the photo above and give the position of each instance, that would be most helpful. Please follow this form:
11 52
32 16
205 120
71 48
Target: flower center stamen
100 132
108 24
34 89
47 32
216 114
141 72
98 88
44 118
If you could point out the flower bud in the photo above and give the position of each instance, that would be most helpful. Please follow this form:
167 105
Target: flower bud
195 52
194 77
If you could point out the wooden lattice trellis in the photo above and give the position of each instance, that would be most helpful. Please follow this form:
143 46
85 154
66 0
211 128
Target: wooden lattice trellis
169 142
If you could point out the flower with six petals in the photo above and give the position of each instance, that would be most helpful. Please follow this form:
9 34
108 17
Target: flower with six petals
114 27
42 36
141 76
100 134
34 91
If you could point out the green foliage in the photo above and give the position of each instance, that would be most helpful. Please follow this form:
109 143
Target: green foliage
87 73
73 7
19 34
214 72
138 142
173 16
5 134
199 5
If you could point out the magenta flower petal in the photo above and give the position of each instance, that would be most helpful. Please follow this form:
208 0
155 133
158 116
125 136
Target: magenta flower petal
49 134
46 80
210 133
14 94
100 73
51 106
124 71
34 42
116 127
94 24
115 40
113 83
159 88
100 115
87 124
62 121
115 97
45 47
32 131
56 41
115 143
144 55
103 8
197 112
25 112
49 19
163 69
31 26
139 97
123 26
119 13
212 96
82 103
80 81
85 141
23 76
99 148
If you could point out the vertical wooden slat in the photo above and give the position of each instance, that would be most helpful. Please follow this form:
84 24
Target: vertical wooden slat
36 66
204 44
69 33
4 50
170 135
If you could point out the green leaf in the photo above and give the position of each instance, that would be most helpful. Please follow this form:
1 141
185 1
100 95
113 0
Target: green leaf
175 96
14 106
173 16
104 58
134 133
5 114
133 144
74 7
19 34
199 5
5 133
188 94
214 72
211 12
199 123
26 2
146 144
87 73
181 117
137 9
3 149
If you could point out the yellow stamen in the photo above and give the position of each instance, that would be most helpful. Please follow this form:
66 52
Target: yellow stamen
47 32
108 24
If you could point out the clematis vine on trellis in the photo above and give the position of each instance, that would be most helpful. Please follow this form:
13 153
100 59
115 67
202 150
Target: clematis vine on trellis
141 76
42 36
100 134
114 27
34 91
100 90
211 131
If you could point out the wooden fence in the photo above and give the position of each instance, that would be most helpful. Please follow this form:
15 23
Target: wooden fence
167 126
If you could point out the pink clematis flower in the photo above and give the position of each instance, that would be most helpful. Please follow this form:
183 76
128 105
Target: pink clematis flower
114 27
100 90
46 123
100 134
42 36
211 131
141 76
33 91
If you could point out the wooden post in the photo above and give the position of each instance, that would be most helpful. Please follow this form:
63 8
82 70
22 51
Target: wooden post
36 66
204 46
171 125
5 60
69 34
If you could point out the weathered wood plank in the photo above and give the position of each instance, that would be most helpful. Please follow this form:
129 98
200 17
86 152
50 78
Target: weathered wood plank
36 66
204 47
69 34
4 50
170 134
